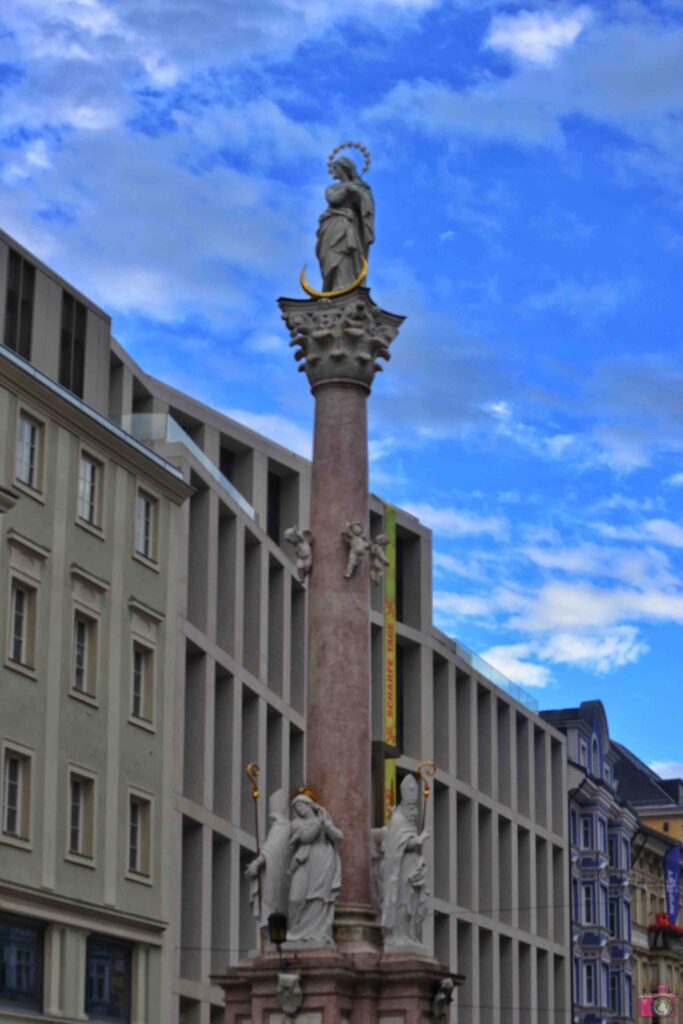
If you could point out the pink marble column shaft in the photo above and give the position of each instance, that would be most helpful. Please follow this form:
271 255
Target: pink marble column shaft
338 706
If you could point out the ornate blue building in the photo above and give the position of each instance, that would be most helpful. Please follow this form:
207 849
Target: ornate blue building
601 830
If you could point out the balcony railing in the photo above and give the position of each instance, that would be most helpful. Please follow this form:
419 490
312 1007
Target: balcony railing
158 426
491 673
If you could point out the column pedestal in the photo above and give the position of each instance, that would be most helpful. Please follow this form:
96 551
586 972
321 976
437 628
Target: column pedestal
368 988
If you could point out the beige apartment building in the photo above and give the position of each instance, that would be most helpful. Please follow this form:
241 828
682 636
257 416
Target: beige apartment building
657 952
498 817
87 655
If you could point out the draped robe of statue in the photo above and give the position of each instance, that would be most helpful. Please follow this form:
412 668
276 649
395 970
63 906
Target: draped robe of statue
347 227
314 873
268 871
404 902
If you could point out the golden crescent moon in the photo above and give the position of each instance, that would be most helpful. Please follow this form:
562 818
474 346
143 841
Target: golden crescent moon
341 291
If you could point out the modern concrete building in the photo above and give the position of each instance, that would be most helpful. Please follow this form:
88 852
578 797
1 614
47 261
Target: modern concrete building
87 658
498 859
601 827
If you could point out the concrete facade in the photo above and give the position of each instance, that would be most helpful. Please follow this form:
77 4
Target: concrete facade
498 859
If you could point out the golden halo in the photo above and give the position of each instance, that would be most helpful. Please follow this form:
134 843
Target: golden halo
341 291
347 145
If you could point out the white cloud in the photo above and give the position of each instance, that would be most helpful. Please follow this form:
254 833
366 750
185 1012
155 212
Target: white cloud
635 567
601 652
581 300
675 480
568 605
667 769
559 445
277 428
455 606
454 522
661 531
596 652
510 659
601 80
536 36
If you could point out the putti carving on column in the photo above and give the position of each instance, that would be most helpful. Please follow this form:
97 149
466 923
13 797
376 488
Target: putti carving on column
404 899
314 873
267 872
442 1000
302 541
357 543
378 559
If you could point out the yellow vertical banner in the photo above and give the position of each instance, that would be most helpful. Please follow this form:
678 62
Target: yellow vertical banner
390 627
389 788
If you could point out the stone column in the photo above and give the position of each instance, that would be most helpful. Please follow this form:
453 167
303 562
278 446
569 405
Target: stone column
338 342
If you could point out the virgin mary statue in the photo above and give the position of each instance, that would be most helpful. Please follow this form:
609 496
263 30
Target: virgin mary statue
315 873
347 227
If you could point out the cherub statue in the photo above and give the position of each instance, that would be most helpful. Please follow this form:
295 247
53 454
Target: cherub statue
442 1000
289 993
302 541
378 558
357 544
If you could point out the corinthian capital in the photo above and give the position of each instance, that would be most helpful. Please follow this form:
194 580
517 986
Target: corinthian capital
340 338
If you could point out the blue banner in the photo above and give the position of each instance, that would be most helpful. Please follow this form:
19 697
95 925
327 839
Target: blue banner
672 882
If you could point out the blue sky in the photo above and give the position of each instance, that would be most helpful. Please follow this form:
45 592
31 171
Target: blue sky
169 159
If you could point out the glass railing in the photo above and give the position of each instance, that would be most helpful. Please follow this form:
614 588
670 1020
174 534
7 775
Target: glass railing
158 426
492 674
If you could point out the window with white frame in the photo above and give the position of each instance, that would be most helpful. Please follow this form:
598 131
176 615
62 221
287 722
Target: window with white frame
21 963
81 812
588 904
625 854
108 979
589 984
21 646
613 923
139 814
84 672
145 525
90 475
16 794
612 851
142 683
602 834
586 832
28 461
